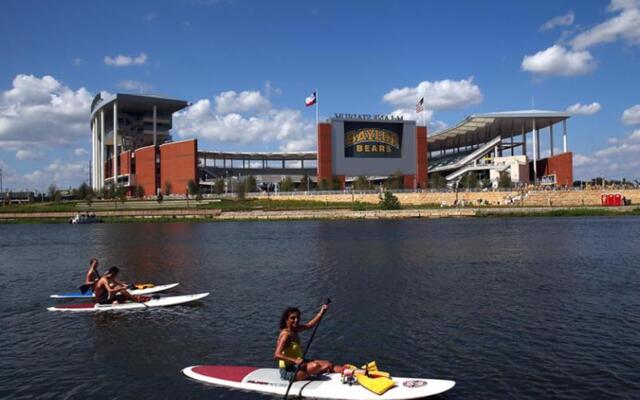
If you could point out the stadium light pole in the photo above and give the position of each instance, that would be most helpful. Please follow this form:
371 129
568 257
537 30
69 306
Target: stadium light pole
0 180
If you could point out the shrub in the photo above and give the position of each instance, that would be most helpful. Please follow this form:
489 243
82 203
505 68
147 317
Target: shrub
388 201
218 187
168 188
286 185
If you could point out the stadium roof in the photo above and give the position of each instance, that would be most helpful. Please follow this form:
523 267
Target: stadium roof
138 103
300 155
480 128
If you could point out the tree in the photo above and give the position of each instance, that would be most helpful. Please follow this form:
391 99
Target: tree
139 191
505 180
82 191
362 183
324 184
250 184
121 193
388 201
193 188
470 180
218 186
395 181
305 183
336 184
52 191
286 185
168 188
437 181
240 190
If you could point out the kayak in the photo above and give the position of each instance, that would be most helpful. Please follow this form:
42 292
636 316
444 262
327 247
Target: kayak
327 386
154 302
89 294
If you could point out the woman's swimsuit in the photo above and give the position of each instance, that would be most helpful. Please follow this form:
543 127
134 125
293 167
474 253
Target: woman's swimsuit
288 369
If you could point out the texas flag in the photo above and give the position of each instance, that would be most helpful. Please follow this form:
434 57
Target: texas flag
311 100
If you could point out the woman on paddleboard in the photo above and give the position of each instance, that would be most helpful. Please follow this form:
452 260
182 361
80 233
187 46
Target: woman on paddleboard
289 349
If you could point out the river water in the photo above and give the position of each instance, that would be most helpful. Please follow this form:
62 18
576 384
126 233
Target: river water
526 308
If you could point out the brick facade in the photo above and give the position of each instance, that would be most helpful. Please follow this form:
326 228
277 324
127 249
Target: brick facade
179 165
421 157
561 165
146 169
324 157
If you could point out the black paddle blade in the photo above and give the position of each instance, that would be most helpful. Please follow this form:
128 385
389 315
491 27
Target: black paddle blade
84 288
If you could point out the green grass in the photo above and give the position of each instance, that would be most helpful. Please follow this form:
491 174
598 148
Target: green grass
39 207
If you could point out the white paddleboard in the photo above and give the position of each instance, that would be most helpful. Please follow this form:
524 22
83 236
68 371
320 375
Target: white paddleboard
328 386
159 302
88 295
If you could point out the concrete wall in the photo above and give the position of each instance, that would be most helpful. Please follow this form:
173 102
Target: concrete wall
532 198
178 164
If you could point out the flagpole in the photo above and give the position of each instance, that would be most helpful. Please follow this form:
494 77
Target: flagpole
317 98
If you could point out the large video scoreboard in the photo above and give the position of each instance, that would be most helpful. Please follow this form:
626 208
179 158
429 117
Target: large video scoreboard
372 145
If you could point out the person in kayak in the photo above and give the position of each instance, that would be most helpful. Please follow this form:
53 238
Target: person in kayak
289 349
92 275
110 290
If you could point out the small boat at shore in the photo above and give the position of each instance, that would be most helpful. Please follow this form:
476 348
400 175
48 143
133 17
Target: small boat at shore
82 218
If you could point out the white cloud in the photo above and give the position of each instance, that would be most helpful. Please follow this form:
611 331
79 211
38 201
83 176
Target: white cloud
410 114
584 109
631 116
61 173
80 152
135 86
78 61
28 155
270 90
223 124
620 159
125 61
231 101
625 26
438 95
560 20
557 60
41 113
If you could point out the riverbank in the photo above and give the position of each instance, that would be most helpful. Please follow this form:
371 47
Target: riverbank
208 214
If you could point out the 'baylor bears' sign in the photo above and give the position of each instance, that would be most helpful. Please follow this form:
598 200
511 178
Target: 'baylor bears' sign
371 139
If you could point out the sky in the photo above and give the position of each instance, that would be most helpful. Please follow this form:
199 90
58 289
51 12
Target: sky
246 68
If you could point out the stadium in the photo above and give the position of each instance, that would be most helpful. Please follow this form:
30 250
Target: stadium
132 147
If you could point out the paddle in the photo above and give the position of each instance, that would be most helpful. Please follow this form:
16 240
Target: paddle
293 378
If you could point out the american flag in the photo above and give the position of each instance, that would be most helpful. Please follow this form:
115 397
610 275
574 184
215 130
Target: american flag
420 105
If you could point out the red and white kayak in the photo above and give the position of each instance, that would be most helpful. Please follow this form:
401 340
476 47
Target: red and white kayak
136 292
154 302
328 386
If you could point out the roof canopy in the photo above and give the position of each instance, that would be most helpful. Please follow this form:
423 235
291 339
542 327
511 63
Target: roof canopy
480 128
300 155
134 103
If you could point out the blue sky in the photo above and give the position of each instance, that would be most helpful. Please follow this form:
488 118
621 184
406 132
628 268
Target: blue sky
246 66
